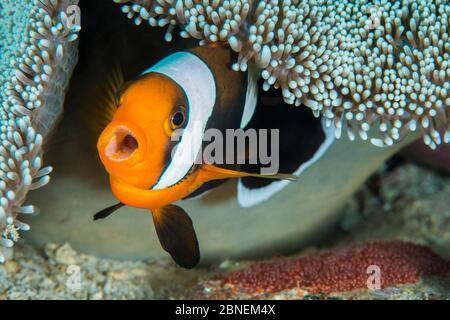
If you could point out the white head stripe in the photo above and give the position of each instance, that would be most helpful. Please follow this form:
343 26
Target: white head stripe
197 81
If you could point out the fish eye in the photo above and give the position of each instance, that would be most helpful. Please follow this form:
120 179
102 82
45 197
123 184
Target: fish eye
177 120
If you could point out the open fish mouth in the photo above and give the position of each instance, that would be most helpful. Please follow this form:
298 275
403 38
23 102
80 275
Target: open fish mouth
122 145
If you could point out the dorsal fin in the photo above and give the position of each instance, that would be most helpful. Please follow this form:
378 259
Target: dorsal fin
102 108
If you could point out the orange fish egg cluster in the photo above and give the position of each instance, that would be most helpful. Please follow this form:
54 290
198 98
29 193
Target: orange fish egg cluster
342 270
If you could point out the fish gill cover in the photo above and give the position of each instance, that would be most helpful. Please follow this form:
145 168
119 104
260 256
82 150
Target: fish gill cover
36 60
361 64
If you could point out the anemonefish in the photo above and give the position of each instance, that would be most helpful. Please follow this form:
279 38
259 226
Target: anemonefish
195 90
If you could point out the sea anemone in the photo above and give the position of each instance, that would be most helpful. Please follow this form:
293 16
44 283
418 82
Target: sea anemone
360 64
37 58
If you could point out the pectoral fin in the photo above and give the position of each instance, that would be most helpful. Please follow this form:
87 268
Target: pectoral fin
222 173
177 235
107 211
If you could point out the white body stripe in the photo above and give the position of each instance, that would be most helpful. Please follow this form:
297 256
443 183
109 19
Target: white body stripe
197 81
250 197
251 97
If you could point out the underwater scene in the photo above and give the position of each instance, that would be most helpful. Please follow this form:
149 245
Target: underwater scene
224 150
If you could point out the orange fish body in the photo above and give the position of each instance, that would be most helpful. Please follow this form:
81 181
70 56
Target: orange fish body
153 199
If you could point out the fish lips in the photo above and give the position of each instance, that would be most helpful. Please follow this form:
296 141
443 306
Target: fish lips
121 146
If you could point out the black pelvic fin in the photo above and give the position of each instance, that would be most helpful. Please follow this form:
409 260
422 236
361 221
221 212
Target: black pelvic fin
177 235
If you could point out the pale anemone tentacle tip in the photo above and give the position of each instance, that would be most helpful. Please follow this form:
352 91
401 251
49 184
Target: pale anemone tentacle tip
38 55
382 65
